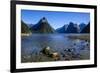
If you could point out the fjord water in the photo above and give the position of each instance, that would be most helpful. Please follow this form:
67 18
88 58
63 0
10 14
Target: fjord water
34 43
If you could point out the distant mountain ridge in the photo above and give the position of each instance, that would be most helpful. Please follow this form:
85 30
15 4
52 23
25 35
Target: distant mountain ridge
62 29
43 26
69 28
72 28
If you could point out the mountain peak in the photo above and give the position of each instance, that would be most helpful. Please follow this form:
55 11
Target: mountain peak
43 20
42 27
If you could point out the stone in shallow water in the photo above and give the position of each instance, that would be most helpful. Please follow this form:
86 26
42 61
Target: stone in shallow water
55 56
50 53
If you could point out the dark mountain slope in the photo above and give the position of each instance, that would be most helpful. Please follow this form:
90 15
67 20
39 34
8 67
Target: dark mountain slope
42 27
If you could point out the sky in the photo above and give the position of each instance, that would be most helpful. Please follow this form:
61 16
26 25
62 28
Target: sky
55 19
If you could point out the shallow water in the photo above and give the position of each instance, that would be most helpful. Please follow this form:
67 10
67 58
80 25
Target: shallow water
59 42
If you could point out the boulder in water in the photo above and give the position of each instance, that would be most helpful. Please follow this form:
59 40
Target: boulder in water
55 56
50 53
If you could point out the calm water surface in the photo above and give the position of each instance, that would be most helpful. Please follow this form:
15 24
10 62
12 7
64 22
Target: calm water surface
35 43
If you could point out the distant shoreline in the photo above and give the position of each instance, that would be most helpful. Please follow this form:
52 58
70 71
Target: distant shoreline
26 34
82 37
